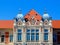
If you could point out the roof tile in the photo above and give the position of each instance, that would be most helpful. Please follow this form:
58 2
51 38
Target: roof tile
6 23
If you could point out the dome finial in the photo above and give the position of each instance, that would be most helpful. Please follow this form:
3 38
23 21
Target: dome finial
20 10
20 15
45 11
45 15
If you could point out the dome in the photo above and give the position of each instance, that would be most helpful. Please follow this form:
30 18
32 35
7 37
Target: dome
20 16
45 16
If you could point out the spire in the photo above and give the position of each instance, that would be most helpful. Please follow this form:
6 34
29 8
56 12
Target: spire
45 11
20 15
45 15
20 11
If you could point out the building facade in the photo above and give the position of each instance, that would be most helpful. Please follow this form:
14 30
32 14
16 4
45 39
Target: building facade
31 29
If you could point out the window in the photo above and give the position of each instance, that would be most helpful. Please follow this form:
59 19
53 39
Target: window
11 38
45 31
32 30
32 36
28 31
19 30
28 35
45 35
19 35
37 30
54 37
2 38
37 36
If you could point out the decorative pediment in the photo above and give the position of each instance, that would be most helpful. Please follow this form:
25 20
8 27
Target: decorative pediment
33 14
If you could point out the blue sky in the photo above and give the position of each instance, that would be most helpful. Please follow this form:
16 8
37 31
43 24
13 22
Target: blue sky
10 8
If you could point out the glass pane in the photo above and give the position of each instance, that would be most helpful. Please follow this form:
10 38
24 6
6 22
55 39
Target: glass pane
32 37
45 30
19 36
11 38
37 30
32 30
2 38
28 30
37 36
54 37
45 36
19 30
28 37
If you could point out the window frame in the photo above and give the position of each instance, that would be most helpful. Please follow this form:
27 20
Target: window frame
45 36
34 40
1 38
10 37
19 35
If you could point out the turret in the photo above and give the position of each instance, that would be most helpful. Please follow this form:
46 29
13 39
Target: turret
46 18
19 18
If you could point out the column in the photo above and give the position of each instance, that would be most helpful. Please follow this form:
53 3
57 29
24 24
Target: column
41 36
14 36
24 36
50 36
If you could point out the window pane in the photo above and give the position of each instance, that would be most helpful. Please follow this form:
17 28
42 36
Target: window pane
45 36
19 30
28 37
2 38
37 30
32 30
32 37
28 30
19 36
45 30
54 37
37 36
11 38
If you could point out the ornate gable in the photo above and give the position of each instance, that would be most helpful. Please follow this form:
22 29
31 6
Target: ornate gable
33 14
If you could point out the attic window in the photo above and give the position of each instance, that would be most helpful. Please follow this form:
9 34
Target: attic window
26 19
36 14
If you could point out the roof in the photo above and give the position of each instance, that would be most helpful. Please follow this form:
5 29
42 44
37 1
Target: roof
56 23
9 23
32 13
6 23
